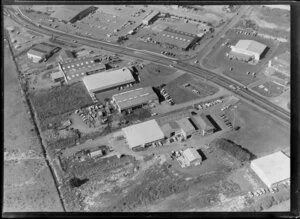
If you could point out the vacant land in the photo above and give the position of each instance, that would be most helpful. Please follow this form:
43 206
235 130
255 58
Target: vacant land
180 93
28 183
259 133
269 89
59 100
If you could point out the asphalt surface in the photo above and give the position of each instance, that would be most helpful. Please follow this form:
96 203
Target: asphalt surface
244 94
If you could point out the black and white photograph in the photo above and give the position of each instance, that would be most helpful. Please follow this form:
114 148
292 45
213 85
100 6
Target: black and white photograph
146 107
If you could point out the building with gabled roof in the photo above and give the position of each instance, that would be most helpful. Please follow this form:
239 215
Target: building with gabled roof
203 124
134 98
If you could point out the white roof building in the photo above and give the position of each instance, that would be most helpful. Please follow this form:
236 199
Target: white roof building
249 48
143 133
108 79
272 169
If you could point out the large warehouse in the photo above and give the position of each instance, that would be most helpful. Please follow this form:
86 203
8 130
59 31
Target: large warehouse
108 80
150 17
177 38
134 98
72 13
203 124
272 169
143 134
80 67
248 49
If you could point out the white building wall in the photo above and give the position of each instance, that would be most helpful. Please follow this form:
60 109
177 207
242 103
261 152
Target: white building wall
246 52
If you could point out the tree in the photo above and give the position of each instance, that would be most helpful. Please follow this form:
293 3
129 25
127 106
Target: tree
76 182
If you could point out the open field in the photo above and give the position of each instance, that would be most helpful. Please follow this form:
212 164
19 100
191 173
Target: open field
179 93
59 100
28 183
259 133
269 89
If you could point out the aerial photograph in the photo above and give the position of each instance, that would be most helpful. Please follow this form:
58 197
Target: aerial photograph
146 108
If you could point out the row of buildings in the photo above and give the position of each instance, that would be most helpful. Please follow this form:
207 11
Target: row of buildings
138 135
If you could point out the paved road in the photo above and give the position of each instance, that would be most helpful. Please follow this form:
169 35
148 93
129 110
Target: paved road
247 95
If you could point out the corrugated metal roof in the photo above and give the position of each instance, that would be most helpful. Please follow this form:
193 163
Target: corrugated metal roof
151 15
135 97
203 122
143 133
251 45
67 12
105 80
185 125
177 38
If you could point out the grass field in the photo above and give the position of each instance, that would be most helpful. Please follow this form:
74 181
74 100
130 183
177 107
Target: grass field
259 133
60 100
181 94
269 89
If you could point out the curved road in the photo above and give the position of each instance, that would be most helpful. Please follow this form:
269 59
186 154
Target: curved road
245 94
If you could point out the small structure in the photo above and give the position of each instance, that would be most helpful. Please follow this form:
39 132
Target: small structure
108 80
134 98
57 76
150 18
97 152
64 124
248 50
205 127
189 157
272 169
143 134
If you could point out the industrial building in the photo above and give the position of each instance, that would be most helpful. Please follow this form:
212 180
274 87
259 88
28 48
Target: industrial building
72 13
182 128
150 18
40 52
80 67
66 55
272 169
134 98
189 157
179 39
204 126
143 134
108 80
248 50
281 63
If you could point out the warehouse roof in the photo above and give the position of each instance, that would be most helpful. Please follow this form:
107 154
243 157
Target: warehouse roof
185 125
151 15
57 75
36 52
67 12
177 38
66 54
134 97
251 45
272 168
191 154
203 122
41 49
107 79
143 133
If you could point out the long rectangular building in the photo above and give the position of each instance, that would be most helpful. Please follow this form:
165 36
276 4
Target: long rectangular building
40 51
150 17
108 80
177 38
80 67
143 134
203 124
134 98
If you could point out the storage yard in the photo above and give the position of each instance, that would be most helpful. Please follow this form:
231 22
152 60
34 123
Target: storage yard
144 131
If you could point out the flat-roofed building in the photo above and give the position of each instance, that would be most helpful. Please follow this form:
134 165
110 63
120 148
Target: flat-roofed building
186 127
203 124
272 169
143 134
248 49
40 52
75 69
134 98
281 63
150 18
72 13
57 76
108 80
179 39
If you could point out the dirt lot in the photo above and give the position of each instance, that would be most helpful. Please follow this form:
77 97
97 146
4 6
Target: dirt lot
28 183
269 89
259 133
179 93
